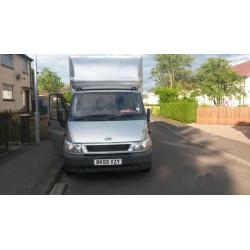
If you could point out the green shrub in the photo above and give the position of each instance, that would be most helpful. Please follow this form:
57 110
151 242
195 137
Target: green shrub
205 105
67 96
180 110
155 110
166 94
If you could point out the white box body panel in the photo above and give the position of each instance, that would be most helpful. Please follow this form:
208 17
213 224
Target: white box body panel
106 72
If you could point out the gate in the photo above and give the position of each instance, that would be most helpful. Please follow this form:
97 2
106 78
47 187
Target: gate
4 135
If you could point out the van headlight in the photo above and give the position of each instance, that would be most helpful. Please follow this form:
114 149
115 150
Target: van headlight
142 145
73 148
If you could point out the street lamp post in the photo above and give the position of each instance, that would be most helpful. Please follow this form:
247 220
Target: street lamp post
37 114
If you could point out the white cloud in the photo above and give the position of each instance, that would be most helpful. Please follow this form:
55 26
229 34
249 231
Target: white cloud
236 59
57 63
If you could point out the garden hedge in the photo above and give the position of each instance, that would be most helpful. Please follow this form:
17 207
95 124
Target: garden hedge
155 110
181 110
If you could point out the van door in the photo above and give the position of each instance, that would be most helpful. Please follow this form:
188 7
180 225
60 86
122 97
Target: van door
58 116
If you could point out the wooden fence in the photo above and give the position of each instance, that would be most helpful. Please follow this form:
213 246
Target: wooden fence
223 115
13 129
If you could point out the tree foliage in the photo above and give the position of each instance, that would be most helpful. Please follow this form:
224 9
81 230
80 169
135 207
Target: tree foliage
173 70
49 81
66 91
216 79
166 94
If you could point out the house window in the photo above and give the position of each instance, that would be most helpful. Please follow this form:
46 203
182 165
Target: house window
8 93
25 65
7 60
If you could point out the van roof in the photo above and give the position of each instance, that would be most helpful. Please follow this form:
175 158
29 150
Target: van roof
102 71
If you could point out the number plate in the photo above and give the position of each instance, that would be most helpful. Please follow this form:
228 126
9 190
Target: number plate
107 162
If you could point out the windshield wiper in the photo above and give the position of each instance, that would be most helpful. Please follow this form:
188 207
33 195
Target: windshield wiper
125 115
82 118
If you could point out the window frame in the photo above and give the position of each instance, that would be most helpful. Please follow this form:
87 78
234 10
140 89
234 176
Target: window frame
25 62
4 63
4 89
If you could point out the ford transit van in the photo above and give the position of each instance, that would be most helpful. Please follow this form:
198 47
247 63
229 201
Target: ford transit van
105 127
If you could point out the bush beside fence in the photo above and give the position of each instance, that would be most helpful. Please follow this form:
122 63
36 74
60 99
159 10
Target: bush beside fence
155 110
182 110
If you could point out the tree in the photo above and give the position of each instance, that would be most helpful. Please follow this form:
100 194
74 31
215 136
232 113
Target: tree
166 94
216 79
49 81
172 70
66 91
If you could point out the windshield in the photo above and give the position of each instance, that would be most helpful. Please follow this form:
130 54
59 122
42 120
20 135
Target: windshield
99 106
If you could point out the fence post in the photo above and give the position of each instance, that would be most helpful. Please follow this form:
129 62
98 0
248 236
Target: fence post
6 129
21 129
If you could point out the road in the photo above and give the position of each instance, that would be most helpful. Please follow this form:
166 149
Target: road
179 167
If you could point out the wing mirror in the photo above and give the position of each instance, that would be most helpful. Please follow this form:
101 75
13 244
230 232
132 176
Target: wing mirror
148 114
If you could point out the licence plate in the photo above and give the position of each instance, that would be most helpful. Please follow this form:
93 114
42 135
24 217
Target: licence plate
107 162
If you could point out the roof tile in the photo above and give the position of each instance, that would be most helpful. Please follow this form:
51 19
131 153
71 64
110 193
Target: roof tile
243 68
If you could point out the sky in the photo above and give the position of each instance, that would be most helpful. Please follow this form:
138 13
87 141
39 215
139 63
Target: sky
60 64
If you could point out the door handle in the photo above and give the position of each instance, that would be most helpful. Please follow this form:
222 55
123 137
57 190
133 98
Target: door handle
48 124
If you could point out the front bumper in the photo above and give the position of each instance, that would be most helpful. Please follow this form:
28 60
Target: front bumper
85 163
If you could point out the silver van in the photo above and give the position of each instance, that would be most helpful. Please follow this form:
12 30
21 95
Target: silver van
105 127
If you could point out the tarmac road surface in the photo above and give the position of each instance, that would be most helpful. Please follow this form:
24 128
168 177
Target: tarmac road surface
180 166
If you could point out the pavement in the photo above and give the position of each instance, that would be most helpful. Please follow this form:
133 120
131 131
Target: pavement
31 169
186 160
238 133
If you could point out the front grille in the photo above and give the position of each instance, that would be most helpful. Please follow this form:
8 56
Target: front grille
107 148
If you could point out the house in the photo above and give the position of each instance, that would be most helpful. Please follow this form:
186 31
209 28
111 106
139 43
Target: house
15 82
244 70
151 99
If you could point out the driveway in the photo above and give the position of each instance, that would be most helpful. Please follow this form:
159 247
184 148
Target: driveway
238 133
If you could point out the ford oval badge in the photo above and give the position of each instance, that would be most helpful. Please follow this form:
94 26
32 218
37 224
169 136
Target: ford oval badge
107 139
